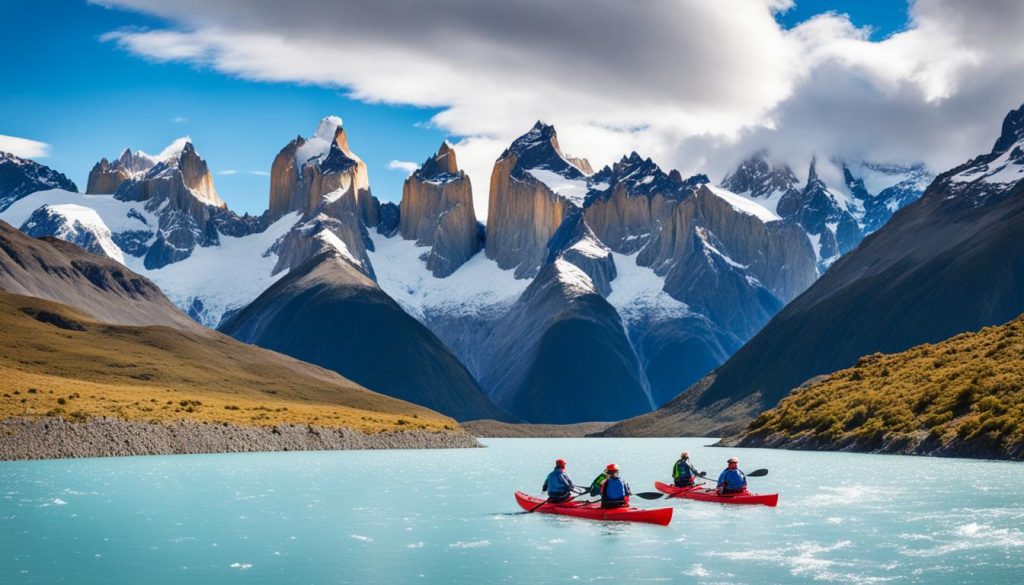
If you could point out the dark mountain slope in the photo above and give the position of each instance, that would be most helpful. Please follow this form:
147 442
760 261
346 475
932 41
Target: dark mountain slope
329 313
100 287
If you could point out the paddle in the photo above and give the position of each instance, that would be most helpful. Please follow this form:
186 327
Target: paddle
548 501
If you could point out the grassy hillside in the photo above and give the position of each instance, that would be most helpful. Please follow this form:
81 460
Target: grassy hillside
963 396
56 361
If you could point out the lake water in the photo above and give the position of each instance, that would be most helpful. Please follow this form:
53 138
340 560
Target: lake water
367 517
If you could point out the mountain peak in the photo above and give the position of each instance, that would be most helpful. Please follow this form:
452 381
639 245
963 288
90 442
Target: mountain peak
442 164
1012 133
812 172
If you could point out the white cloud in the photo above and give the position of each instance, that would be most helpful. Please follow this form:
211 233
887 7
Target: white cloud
696 85
179 120
229 172
408 167
24 147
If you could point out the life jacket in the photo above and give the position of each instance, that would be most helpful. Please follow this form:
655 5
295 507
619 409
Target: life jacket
614 489
558 482
732 479
682 470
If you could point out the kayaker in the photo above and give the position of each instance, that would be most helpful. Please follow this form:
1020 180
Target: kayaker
732 480
683 473
595 486
558 485
614 492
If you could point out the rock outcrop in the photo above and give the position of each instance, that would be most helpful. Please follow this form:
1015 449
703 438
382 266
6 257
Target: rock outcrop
533 186
327 184
179 190
106 176
20 177
308 172
437 211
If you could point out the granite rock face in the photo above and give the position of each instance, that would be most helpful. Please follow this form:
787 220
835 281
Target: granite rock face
901 287
20 177
106 176
533 187
179 191
309 171
437 211
328 185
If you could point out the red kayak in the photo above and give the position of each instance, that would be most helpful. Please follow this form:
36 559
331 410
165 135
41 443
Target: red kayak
661 516
709 495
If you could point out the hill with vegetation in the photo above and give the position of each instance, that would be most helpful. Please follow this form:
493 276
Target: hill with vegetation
960 397
64 364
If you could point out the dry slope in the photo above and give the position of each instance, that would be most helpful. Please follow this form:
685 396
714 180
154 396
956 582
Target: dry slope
960 397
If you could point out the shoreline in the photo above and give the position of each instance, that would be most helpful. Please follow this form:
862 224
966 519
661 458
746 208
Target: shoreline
24 439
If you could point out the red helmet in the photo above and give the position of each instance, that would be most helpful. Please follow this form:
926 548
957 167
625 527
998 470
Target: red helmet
560 463
611 467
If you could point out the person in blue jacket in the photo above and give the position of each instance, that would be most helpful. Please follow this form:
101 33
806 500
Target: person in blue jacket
732 480
683 472
558 485
614 492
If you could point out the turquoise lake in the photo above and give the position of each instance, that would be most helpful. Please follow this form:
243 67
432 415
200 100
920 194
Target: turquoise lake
448 516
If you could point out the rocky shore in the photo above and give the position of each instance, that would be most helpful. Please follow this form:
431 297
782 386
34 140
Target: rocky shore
57 438
920 444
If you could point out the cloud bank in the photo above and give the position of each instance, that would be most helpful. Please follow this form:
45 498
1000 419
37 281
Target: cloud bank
696 85
24 147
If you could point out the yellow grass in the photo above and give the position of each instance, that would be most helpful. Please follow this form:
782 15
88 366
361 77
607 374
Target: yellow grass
969 388
54 361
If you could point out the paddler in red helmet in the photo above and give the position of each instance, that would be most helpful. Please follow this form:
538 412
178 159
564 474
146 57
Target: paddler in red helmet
732 480
558 485
614 492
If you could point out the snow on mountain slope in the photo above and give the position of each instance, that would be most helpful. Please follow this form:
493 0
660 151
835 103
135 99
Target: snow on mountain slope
206 285
77 224
749 206
478 287
639 293
217 280
118 216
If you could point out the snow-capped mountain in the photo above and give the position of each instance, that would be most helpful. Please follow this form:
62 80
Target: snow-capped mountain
948 263
20 177
77 224
617 287
836 219
613 287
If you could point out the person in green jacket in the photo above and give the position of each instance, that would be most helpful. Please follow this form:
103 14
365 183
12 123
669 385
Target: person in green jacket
595 486
684 474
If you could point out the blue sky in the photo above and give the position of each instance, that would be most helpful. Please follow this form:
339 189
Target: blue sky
88 98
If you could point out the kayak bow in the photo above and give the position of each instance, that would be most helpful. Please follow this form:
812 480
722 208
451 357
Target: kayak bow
660 516
710 495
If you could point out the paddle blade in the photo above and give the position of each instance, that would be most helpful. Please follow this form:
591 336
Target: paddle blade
649 495
758 473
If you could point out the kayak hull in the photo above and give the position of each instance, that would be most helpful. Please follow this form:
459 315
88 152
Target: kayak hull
703 494
659 516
